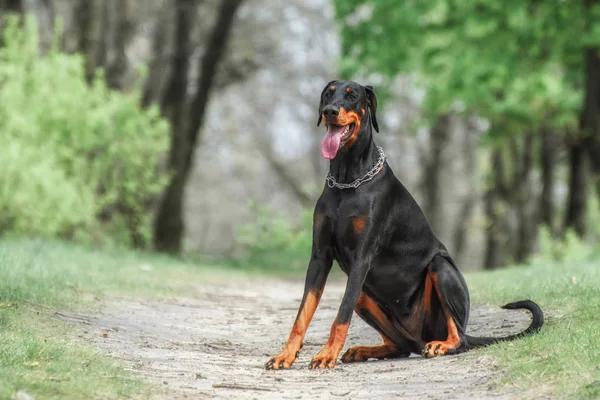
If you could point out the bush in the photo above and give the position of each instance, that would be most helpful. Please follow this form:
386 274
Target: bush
273 241
76 159
568 249
36 195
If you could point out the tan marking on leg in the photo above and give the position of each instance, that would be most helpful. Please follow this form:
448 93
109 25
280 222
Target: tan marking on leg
436 347
290 351
388 349
327 357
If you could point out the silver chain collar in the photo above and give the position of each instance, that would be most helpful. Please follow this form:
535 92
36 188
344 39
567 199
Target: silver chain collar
331 182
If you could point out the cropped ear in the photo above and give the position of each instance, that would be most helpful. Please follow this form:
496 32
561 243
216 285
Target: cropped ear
321 104
372 101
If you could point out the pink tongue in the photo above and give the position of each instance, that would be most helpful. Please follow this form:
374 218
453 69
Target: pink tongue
331 142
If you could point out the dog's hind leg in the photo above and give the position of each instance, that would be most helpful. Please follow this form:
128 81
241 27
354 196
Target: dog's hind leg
451 289
373 315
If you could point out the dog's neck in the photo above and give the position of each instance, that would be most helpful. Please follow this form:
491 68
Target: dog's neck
355 161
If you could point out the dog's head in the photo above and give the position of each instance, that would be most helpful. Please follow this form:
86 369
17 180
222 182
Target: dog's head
345 107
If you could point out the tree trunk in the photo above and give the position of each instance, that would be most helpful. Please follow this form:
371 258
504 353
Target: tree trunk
100 40
169 223
82 29
85 37
462 225
577 200
493 248
432 205
527 221
121 24
590 118
117 21
469 200
548 164
159 67
90 30
9 6
169 227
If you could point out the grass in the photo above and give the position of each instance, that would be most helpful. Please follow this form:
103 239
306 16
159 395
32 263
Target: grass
39 356
59 274
37 353
564 358
44 357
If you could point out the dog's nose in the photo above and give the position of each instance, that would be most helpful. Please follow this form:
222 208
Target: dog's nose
330 111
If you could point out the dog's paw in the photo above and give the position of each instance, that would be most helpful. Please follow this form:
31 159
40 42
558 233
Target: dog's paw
356 354
327 358
436 348
283 361
322 362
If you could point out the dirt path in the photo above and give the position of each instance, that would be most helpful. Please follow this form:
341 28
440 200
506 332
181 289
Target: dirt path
215 346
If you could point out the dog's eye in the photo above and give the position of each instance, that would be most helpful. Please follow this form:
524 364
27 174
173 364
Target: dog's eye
351 96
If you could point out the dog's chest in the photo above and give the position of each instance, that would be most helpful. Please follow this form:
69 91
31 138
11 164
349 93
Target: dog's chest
350 225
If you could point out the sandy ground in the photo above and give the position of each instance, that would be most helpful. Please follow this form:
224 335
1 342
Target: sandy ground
215 346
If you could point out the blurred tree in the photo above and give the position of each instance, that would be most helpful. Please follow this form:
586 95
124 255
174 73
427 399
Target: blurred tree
578 186
43 11
187 119
117 36
519 67
116 65
10 6
101 30
79 161
432 174
548 162
590 118
15 6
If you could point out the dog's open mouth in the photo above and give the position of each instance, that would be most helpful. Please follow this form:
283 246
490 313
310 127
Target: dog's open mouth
335 139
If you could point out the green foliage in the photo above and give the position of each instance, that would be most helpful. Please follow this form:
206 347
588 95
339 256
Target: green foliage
273 241
36 196
570 248
77 159
519 64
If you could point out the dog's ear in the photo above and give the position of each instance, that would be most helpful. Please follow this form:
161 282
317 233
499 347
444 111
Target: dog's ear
321 104
372 101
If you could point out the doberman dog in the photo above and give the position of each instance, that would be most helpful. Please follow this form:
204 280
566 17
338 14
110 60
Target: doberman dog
401 279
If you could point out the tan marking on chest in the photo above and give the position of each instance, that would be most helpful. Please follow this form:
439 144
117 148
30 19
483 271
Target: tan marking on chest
358 224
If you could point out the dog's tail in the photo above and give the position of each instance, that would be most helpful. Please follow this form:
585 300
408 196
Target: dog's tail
534 327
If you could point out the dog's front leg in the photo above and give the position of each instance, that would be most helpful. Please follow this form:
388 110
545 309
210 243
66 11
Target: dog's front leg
316 276
313 289
327 357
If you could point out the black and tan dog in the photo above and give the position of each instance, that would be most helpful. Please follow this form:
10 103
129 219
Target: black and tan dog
401 279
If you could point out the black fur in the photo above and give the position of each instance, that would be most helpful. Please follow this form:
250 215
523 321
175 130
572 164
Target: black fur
390 258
